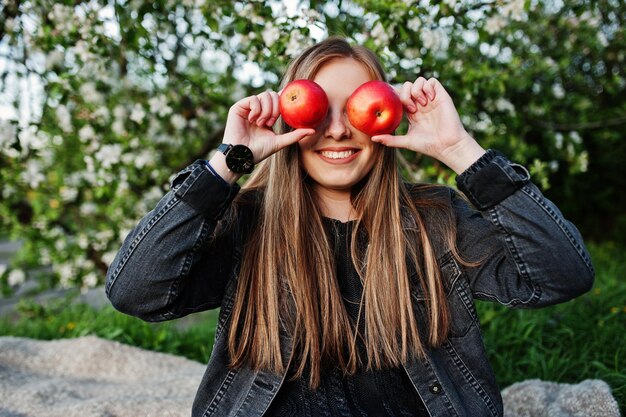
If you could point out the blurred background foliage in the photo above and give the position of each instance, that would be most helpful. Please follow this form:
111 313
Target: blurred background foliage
102 102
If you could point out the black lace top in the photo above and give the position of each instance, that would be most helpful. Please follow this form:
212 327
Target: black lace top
379 393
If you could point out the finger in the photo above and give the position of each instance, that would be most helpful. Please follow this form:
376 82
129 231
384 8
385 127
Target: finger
417 91
275 108
405 97
266 108
400 141
294 136
430 88
255 108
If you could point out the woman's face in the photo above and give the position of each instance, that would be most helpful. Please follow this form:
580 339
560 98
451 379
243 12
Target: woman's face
338 156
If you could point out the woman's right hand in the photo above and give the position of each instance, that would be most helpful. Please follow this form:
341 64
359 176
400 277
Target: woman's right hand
250 122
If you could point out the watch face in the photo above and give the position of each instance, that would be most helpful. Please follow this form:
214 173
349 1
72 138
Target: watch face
240 159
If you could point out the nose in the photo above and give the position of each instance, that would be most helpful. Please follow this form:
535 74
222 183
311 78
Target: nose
337 126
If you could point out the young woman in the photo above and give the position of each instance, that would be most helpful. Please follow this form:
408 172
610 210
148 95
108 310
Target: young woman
342 289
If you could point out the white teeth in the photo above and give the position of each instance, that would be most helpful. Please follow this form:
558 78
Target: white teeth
337 155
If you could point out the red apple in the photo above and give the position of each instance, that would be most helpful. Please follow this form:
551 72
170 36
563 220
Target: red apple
303 104
374 108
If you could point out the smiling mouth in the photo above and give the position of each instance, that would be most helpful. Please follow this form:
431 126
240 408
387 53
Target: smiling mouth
339 154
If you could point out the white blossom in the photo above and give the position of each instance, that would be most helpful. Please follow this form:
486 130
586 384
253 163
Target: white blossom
248 10
101 239
63 17
178 121
90 280
433 40
68 193
40 224
295 44
380 34
583 161
102 113
137 114
120 112
45 257
82 241
54 58
557 91
56 232
60 245
575 137
16 277
7 133
143 158
109 155
494 24
90 94
503 104
66 273
88 208
32 174
270 34
65 118
86 133
60 12
311 15
154 194
484 123
109 257
9 25
194 3
412 53
414 24
553 165
90 165
118 127
514 9
558 140
159 106
30 138
592 19
7 191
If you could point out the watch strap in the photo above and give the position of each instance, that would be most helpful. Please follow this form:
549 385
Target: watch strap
225 148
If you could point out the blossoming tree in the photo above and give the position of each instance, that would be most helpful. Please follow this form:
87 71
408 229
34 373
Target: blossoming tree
101 102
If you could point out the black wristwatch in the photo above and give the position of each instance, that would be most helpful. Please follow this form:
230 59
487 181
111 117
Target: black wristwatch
239 158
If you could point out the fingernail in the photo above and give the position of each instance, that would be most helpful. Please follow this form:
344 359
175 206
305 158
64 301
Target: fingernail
271 121
432 95
260 121
422 101
412 109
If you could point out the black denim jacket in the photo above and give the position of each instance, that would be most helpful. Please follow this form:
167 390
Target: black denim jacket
531 257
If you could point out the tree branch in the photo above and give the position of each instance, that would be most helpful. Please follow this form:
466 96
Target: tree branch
409 168
208 144
581 126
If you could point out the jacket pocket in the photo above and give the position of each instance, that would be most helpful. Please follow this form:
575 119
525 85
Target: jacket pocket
460 302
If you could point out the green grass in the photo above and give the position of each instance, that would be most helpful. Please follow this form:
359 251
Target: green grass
583 338
570 342
57 320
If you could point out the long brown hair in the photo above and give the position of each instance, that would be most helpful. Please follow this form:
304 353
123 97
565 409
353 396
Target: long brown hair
287 279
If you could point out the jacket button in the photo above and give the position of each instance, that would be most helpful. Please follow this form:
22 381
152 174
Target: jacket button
436 388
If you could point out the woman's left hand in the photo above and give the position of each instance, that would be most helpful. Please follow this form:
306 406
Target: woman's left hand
435 128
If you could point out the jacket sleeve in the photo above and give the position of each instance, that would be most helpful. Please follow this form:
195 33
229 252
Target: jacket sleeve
170 265
528 254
